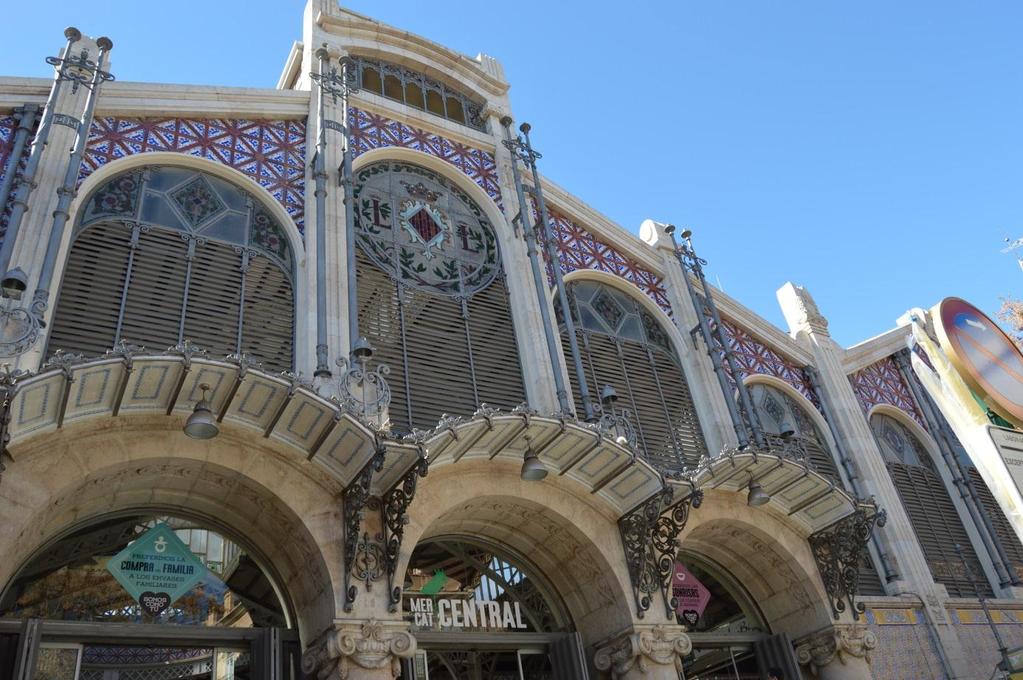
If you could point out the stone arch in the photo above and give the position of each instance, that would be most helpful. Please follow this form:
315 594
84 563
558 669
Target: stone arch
634 292
767 554
224 172
915 429
807 406
569 536
299 278
939 467
281 507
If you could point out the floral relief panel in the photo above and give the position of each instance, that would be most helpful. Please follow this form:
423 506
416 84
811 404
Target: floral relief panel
271 152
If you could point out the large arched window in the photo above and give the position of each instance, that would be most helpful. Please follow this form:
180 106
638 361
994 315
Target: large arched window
624 346
931 511
787 424
432 295
164 254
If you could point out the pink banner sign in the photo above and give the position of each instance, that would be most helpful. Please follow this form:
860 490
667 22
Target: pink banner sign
691 595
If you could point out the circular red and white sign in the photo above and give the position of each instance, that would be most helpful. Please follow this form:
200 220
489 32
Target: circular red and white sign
986 358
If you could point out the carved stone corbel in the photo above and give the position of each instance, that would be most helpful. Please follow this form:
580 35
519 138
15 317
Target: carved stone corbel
849 644
370 650
653 652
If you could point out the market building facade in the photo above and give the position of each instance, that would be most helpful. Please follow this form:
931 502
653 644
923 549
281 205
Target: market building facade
327 381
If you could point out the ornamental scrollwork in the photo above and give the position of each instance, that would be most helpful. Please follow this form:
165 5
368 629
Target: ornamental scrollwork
838 551
356 496
665 540
395 512
362 392
842 642
635 530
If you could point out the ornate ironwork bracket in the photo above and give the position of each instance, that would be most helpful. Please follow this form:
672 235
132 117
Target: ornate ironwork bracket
356 497
650 541
665 540
838 550
395 515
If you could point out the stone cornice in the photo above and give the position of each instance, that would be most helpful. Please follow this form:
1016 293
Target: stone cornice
363 33
156 100
871 351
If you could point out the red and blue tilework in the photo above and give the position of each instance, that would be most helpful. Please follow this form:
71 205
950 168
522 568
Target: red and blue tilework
271 152
370 131
882 383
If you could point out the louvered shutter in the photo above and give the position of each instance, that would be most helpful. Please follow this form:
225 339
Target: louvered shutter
214 298
938 529
152 313
85 318
436 367
1003 529
269 320
632 374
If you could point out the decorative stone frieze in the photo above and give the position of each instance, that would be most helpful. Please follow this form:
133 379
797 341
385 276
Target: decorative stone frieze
649 652
360 650
848 644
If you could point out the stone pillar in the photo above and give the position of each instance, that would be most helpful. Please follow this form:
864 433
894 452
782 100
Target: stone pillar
809 327
537 369
839 652
644 652
710 402
360 650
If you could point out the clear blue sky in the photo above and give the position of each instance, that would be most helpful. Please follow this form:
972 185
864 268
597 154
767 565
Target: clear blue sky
870 151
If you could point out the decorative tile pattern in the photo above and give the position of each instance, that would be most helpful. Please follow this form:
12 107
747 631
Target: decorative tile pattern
882 383
579 249
272 152
756 358
905 648
370 131
980 647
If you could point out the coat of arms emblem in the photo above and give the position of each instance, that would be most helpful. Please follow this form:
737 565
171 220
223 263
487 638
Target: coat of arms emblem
425 223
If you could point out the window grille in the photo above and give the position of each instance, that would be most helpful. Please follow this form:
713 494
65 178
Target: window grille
932 513
161 255
624 346
419 91
432 296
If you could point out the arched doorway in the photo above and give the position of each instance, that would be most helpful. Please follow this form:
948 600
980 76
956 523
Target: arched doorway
86 606
481 612
724 623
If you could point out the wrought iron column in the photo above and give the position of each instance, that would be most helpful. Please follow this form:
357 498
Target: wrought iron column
960 475
348 79
708 337
323 80
696 265
517 151
27 182
26 116
815 383
40 299
523 149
